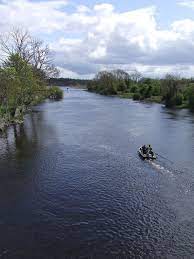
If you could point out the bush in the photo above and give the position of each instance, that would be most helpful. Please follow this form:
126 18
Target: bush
148 92
136 96
191 97
170 87
122 86
142 89
179 99
133 89
156 90
156 99
55 92
90 86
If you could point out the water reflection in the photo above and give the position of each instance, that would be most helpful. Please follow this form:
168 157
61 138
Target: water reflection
22 141
175 114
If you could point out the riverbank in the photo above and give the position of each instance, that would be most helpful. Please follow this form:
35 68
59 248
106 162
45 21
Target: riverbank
153 99
9 117
24 76
173 92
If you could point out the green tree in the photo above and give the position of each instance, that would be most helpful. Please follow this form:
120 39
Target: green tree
24 75
55 92
190 94
170 89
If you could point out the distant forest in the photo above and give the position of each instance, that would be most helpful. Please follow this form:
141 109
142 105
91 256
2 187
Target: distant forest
68 82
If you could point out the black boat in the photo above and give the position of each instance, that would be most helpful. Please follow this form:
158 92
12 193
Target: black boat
148 155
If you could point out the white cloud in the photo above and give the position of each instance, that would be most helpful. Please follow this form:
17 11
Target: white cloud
87 40
70 74
104 9
187 3
184 27
42 16
83 9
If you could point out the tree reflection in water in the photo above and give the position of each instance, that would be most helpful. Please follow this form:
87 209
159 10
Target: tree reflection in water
23 141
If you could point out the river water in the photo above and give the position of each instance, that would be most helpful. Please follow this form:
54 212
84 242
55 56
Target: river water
72 184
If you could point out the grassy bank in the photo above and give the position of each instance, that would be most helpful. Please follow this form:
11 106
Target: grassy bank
172 91
154 99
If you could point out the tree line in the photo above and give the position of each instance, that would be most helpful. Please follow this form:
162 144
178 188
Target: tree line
171 90
26 65
68 82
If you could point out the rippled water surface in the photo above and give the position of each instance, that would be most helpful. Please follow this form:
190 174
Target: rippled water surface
72 185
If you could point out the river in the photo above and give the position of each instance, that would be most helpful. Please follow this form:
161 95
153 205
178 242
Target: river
72 184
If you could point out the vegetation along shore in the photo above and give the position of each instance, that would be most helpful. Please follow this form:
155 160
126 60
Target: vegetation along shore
26 65
171 90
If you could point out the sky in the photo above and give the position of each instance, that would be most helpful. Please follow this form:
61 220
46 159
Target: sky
87 36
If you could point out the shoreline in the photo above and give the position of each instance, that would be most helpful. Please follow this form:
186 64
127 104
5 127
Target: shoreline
18 119
152 99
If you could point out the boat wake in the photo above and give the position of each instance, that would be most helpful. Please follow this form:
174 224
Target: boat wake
160 168
168 167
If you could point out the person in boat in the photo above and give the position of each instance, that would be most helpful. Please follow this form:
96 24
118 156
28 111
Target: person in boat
144 149
150 150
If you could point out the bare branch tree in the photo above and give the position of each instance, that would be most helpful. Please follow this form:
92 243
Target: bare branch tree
52 71
40 54
21 43
120 74
17 41
32 50
135 75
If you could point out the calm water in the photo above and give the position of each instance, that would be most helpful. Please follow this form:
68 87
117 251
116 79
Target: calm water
72 185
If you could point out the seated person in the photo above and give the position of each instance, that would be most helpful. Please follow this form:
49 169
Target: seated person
144 149
150 150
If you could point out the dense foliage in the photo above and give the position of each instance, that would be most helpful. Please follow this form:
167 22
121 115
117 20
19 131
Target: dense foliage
55 92
23 78
171 90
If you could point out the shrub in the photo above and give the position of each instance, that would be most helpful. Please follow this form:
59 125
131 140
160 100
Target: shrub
179 99
133 89
170 87
55 92
191 97
136 96
156 90
122 86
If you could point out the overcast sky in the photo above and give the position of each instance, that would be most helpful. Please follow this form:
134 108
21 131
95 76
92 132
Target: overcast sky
87 36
